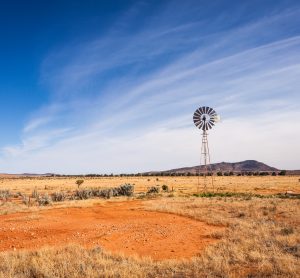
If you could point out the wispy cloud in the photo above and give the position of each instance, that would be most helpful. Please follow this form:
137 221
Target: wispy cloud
123 102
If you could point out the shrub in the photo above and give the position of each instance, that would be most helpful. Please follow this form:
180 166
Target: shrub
282 173
241 214
35 194
125 190
25 200
58 196
4 194
122 190
104 193
153 190
287 231
44 200
83 194
165 188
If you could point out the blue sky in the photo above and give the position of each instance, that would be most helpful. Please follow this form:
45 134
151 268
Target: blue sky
111 86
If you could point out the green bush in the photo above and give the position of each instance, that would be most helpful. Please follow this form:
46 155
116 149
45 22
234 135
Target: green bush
165 188
282 173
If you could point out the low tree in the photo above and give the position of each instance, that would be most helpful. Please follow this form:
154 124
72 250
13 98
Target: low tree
79 182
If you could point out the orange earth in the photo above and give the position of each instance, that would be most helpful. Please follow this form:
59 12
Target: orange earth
122 227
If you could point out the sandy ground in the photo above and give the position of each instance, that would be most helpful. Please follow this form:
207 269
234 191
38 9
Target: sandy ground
124 227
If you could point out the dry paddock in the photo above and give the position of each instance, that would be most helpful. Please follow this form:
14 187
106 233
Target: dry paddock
171 235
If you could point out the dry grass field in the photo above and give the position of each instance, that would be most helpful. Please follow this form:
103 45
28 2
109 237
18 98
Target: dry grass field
253 184
170 234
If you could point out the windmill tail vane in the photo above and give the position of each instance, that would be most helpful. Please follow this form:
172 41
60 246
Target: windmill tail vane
205 118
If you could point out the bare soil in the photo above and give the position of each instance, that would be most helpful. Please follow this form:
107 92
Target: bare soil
120 227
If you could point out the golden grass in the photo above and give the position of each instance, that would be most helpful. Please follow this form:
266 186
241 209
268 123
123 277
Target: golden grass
262 238
74 261
254 184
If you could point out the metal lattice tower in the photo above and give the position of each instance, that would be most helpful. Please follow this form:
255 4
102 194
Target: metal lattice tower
204 160
205 118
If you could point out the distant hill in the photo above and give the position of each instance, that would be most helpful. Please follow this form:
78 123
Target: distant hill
24 175
243 166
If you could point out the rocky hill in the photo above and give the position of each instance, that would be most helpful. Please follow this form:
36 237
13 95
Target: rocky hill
243 166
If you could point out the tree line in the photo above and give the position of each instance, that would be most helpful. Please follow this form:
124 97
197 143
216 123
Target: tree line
176 174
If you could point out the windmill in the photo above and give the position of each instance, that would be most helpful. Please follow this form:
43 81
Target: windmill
204 119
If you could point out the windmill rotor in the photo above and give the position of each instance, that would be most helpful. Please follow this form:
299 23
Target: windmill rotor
205 118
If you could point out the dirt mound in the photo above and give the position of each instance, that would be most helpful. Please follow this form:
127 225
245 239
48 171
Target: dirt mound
116 226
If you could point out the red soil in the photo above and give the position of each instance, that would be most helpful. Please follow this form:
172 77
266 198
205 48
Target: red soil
116 226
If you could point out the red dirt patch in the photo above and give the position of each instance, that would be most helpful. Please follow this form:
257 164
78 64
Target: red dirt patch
116 226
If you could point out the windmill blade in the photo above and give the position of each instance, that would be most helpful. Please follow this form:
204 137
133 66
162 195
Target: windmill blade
210 125
196 117
200 125
212 112
211 122
201 110
197 112
209 111
197 123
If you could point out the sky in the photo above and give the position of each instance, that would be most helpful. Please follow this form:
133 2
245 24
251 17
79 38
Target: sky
111 86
